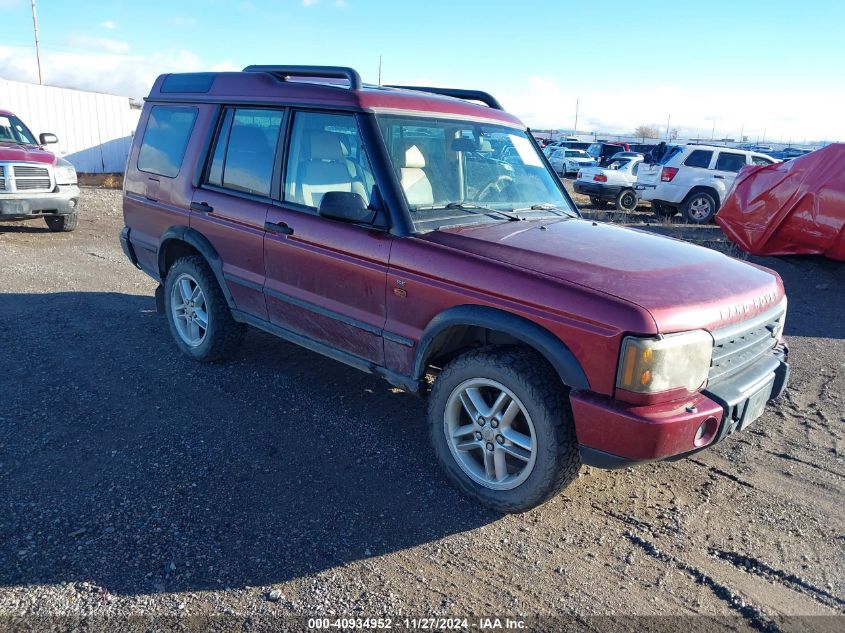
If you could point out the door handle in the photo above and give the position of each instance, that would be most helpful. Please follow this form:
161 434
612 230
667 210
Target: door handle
716 176
202 207
278 227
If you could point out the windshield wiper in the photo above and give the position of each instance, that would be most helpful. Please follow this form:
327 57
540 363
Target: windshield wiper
543 206
477 209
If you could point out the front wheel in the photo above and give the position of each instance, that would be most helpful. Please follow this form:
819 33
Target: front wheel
501 428
62 223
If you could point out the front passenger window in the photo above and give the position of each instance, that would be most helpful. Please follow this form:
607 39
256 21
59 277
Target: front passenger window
326 154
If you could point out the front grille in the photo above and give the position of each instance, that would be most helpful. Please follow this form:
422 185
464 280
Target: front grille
2 171
739 346
31 184
2 182
25 171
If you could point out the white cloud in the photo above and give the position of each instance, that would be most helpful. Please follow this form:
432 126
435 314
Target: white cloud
108 25
542 102
309 3
99 44
99 71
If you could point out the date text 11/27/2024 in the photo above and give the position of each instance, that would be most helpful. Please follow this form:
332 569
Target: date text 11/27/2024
422 624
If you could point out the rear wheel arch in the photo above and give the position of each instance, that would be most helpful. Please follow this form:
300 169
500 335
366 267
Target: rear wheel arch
703 189
461 328
180 241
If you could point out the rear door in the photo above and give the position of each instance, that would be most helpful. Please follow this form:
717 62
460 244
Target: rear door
230 207
725 169
326 279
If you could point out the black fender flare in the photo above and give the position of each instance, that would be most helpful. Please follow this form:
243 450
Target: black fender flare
200 242
551 347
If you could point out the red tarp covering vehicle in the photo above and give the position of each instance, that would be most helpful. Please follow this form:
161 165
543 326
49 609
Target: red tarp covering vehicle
791 208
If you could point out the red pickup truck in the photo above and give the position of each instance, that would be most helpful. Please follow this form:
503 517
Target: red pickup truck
35 183
382 227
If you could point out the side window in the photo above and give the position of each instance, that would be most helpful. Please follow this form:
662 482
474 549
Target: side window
759 160
730 162
245 150
166 139
699 158
326 154
635 169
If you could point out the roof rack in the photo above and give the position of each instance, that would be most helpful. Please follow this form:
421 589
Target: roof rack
459 93
329 72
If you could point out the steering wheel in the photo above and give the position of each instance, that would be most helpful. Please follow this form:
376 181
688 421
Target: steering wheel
497 185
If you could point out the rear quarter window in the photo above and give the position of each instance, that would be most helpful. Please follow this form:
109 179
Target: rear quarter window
699 158
166 139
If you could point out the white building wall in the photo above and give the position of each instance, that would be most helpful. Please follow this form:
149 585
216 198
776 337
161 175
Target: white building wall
94 130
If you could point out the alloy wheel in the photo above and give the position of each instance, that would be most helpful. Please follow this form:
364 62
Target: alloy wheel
188 309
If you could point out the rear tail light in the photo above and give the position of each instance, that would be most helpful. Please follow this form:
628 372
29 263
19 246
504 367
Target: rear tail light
600 178
668 173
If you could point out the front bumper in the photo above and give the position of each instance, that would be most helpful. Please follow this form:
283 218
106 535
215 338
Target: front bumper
614 434
597 190
21 205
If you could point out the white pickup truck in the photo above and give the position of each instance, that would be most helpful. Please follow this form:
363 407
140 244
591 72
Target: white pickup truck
693 179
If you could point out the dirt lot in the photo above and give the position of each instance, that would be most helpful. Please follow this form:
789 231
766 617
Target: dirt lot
137 483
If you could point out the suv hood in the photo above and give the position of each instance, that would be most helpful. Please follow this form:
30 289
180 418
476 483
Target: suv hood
682 286
25 154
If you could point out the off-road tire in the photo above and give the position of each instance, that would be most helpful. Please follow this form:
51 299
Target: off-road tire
626 200
536 384
691 200
224 335
62 223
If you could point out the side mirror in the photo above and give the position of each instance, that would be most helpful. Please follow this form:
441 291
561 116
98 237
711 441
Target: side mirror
345 206
47 138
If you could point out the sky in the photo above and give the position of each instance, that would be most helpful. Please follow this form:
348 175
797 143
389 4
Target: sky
707 67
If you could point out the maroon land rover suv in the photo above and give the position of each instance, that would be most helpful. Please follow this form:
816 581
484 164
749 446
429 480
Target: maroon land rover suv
420 234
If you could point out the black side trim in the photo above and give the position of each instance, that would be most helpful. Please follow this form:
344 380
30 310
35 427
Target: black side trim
399 380
126 246
200 243
307 305
246 283
551 347
396 338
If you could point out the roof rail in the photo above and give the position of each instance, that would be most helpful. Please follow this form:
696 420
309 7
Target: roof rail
459 93
328 72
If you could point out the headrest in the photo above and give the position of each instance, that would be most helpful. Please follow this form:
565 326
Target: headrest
485 146
414 158
325 146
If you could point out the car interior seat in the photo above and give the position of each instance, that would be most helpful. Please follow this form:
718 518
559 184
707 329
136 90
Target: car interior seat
326 170
415 183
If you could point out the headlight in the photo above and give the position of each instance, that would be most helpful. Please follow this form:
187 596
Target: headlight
65 175
653 365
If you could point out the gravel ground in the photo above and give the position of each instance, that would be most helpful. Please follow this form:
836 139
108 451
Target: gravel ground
135 483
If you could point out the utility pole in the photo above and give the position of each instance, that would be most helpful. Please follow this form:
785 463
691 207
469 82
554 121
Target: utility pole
575 131
379 66
37 50
741 132
668 120
713 131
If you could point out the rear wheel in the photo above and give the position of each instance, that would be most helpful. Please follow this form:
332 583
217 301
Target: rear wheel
501 428
199 318
626 200
699 208
62 223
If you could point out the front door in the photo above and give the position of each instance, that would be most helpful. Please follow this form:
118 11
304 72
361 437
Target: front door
326 279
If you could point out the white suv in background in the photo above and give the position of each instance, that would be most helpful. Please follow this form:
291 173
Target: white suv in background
693 179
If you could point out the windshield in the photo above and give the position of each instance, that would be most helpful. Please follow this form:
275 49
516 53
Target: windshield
12 130
461 172
576 154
